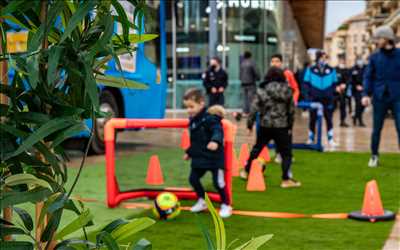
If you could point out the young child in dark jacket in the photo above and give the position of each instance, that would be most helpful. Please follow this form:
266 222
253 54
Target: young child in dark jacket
206 148
275 107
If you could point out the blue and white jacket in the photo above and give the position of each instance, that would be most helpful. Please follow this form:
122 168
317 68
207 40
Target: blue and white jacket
320 83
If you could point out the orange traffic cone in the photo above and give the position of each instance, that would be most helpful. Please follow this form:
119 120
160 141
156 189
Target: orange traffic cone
256 181
372 209
372 204
185 140
235 164
243 155
154 172
264 156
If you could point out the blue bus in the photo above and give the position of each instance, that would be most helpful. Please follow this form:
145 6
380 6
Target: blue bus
148 65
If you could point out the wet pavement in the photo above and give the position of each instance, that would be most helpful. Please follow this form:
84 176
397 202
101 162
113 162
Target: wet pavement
351 139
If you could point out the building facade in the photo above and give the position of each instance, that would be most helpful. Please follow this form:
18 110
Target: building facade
197 30
384 13
350 41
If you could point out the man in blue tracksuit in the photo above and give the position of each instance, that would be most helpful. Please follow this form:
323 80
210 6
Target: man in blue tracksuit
320 82
382 82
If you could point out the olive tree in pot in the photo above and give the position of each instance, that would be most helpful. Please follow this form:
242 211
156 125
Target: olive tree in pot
52 92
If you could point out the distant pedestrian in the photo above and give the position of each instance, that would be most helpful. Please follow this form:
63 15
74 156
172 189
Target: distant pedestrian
382 82
321 83
356 79
249 75
300 79
275 107
277 61
343 84
215 81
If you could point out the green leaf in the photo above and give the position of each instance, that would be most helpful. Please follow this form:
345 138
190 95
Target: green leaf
69 132
91 86
142 244
77 18
220 234
122 18
67 244
75 225
106 239
13 6
51 226
38 135
16 245
120 82
25 217
11 198
136 38
255 243
50 200
32 117
33 69
36 37
126 233
54 57
7 230
114 225
28 179
206 234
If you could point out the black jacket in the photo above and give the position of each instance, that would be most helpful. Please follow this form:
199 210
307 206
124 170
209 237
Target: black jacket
213 78
248 73
357 74
205 128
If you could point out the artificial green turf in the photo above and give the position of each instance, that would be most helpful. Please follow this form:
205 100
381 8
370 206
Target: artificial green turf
332 183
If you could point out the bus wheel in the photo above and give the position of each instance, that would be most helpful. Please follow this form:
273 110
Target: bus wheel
107 104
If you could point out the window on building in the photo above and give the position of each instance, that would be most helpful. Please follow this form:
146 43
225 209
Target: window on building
355 38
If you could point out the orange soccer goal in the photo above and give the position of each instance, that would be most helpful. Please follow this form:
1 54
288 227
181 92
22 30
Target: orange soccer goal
114 193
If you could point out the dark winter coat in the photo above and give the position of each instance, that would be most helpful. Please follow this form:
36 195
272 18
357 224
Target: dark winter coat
248 73
382 77
356 78
213 78
204 128
274 103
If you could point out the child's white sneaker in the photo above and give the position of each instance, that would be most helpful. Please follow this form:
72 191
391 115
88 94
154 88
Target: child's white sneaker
225 211
199 206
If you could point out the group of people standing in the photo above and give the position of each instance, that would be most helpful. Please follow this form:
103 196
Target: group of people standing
334 88
272 105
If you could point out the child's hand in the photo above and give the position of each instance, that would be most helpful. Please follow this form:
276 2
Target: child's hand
212 146
186 157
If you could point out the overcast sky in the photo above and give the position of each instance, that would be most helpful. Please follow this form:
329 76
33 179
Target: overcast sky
339 10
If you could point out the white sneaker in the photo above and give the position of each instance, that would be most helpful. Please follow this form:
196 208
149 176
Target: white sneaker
373 162
278 159
199 206
225 211
332 143
309 141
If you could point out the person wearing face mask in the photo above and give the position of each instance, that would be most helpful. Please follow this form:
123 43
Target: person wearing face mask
215 81
342 75
356 78
320 82
382 83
